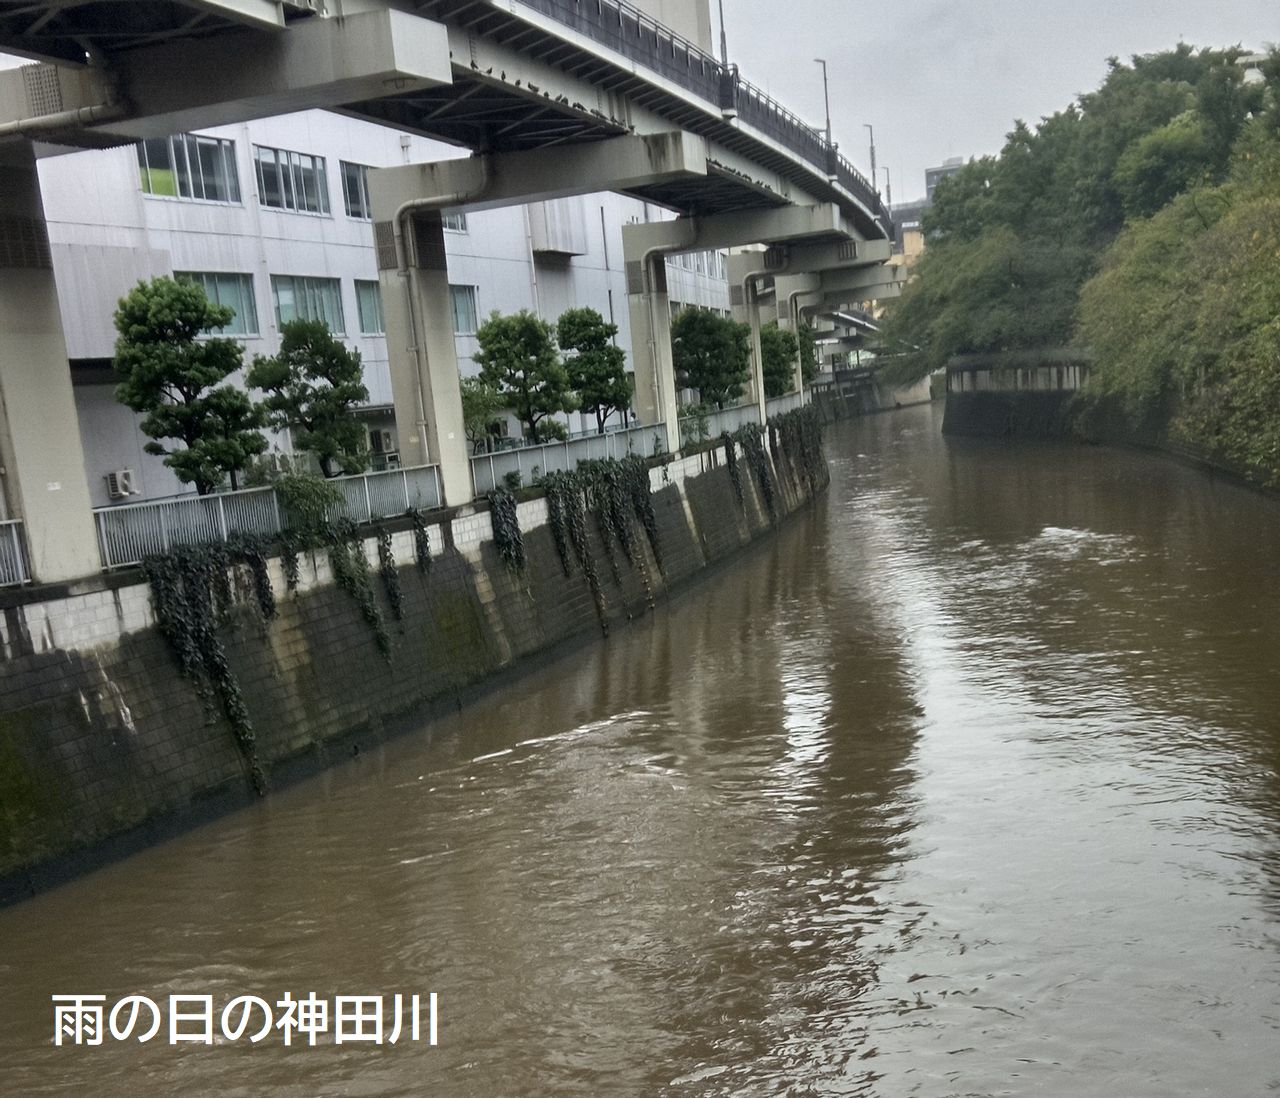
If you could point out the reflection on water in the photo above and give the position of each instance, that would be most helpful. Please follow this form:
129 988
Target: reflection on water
968 785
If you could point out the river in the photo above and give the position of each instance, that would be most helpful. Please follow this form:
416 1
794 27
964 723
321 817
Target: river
966 784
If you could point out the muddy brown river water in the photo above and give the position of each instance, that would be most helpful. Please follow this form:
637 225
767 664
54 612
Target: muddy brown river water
965 785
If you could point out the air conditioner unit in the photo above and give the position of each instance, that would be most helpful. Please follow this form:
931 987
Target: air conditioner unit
382 441
120 484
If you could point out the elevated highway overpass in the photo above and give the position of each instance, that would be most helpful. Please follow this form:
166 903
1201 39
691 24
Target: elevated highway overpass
546 94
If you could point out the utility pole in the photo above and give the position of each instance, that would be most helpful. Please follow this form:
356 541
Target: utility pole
724 42
826 95
888 189
875 179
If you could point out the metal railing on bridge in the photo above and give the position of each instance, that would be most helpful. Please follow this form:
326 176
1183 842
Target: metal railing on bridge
13 554
129 532
638 36
489 471
788 402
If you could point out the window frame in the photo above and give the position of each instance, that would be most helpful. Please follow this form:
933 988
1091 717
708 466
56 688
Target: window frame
472 295
376 286
184 172
291 179
248 295
308 283
362 185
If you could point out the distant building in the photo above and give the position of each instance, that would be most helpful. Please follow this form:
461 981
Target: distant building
933 176
908 226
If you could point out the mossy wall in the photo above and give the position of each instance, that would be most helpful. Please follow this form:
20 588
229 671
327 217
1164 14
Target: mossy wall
105 745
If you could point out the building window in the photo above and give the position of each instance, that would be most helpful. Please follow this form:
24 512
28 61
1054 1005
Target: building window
235 290
291 181
188 166
355 190
369 306
455 222
464 309
308 299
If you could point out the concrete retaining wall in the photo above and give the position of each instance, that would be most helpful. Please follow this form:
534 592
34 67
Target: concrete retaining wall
105 745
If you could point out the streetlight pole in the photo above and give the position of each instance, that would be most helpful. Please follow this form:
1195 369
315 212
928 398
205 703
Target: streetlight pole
826 95
888 189
724 42
874 178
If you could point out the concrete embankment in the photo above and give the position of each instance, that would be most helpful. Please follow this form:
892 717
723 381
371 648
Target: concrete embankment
106 745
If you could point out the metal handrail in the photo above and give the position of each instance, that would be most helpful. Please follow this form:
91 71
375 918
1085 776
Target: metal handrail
13 554
527 463
129 532
704 75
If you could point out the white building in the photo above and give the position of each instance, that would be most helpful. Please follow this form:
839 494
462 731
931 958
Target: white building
273 218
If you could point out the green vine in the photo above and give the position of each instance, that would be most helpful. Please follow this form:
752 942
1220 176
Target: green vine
731 459
635 479
799 437
290 546
351 573
185 585
251 550
390 574
566 511
421 540
751 436
506 528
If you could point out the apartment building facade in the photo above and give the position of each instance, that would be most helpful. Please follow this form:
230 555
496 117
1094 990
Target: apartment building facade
272 218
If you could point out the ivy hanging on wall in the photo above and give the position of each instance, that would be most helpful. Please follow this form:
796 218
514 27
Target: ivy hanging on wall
351 573
567 514
186 584
735 474
799 434
751 436
421 540
506 529
635 480
390 574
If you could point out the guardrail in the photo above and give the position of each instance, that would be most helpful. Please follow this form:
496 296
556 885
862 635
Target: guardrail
129 532
639 37
788 402
489 471
13 554
730 419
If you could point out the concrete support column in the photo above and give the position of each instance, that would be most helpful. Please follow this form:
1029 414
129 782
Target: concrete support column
425 385
655 375
43 476
755 388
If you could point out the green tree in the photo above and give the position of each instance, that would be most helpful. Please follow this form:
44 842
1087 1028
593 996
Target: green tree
1012 239
597 366
712 354
313 386
171 373
482 404
778 351
518 358
808 353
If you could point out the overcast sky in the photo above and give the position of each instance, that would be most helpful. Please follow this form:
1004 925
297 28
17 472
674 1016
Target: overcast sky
942 78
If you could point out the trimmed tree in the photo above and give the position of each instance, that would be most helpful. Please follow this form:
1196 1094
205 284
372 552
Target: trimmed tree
597 367
518 358
778 350
313 386
712 354
481 405
172 375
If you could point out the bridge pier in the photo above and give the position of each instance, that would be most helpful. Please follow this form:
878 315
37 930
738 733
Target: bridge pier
413 278
43 475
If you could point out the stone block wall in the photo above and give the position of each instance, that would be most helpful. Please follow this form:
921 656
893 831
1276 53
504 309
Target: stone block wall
105 744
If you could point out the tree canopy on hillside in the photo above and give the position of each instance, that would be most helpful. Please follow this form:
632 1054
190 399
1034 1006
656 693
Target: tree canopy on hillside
1012 239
